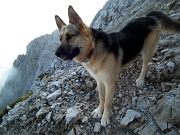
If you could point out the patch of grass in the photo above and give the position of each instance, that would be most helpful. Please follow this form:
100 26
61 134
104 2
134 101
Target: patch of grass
91 79
5 110
41 76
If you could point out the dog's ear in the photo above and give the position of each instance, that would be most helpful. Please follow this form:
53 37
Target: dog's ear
59 22
74 17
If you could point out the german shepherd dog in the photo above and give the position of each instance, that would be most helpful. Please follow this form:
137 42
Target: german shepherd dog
106 55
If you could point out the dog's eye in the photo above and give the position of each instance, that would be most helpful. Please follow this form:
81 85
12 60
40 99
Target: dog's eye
68 36
60 38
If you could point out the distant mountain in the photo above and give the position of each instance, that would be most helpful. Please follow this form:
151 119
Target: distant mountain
38 58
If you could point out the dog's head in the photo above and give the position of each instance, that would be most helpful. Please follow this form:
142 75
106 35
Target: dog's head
76 40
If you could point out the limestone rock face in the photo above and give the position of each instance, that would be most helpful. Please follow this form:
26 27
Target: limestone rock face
117 13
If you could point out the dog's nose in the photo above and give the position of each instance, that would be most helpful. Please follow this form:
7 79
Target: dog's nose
58 53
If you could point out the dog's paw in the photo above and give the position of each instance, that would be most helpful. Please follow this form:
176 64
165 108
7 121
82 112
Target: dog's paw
105 121
97 113
139 82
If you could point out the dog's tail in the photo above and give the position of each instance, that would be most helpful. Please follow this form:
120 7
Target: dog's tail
167 24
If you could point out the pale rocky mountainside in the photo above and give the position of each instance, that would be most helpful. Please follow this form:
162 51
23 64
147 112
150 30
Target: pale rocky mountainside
64 98
38 58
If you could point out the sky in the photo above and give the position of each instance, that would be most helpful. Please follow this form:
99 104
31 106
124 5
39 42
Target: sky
23 20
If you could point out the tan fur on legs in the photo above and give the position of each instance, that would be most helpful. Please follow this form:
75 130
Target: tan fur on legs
106 79
110 87
150 45
97 113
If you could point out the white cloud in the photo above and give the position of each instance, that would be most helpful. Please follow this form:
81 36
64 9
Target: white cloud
6 72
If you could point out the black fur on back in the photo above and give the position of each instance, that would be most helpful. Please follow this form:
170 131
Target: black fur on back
130 38
109 43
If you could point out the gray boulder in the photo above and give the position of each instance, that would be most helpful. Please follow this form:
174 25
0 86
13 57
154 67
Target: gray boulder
167 110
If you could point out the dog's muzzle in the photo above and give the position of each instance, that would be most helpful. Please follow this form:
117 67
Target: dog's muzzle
67 52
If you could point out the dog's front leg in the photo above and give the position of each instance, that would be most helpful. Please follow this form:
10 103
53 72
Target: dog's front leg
109 87
97 113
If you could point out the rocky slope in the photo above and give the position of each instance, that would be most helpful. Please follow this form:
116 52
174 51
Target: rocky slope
39 55
64 99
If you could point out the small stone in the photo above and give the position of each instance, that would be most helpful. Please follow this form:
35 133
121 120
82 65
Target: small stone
165 50
97 127
44 94
73 114
81 92
151 87
148 74
89 84
39 124
65 92
31 108
73 73
8 107
48 116
134 101
85 119
58 118
71 132
53 95
152 98
53 106
120 95
11 118
43 122
163 125
173 132
147 130
154 60
87 97
56 83
146 89
171 64
140 91
118 117
116 108
159 68
42 111
129 117
169 54
123 110
47 133
141 103
170 125
70 92
23 118
150 63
